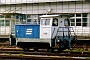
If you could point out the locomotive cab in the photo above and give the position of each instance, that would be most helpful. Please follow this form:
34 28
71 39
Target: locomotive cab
57 31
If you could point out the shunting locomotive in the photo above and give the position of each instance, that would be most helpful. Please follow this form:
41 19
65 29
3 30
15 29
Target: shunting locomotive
53 32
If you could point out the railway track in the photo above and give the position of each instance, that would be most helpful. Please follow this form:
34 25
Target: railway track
71 53
40 57
11 52
4 43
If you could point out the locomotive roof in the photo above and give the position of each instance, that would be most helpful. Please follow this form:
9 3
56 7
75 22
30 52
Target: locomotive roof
49 15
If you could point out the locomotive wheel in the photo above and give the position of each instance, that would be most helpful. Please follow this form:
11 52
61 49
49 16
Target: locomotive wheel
26 49
35 49
59 50
50 49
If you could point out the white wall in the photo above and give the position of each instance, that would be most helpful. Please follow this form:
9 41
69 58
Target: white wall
5 30
42 8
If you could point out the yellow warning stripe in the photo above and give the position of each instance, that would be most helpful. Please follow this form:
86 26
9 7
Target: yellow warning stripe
57 45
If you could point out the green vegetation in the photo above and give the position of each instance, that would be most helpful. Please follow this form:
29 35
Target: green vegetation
80 50
21 54
9 54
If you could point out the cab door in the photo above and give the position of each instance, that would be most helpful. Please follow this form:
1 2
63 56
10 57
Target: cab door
45 28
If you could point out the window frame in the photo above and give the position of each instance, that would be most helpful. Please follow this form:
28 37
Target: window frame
79 17
7 22
2 24
56 22
44 20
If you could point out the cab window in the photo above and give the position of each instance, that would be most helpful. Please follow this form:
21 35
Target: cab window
45 22
55 22
66 22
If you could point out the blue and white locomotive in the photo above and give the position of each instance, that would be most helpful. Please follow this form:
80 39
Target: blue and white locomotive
53 32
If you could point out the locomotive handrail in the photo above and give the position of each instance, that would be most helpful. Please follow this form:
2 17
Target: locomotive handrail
66 27
52 33
65 31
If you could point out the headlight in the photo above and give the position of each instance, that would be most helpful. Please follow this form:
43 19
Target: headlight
58 40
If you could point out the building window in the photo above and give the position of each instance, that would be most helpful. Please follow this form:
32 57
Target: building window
79 19
2 16
84 15
28 21
1 22
78 15
78 22
32 19
28 16
84 22
7 22
35 21
72 15
7 16
13 23
72 22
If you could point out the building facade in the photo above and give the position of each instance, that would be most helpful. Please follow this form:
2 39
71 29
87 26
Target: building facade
28 11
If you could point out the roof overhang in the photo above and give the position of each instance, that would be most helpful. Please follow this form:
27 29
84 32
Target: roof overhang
49 15
9 13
